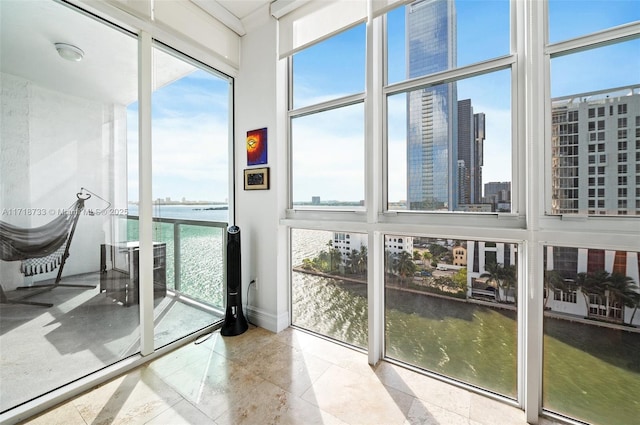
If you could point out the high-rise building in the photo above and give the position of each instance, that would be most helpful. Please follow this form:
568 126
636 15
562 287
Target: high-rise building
498 194
432 158
471 133
478 160
595 163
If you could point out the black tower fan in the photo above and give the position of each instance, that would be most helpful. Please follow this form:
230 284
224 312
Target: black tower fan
234 321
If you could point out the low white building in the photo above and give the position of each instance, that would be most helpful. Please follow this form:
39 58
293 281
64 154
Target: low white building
347 242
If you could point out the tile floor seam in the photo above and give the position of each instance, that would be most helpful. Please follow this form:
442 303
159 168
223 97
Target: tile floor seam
404 397
170 407
202 411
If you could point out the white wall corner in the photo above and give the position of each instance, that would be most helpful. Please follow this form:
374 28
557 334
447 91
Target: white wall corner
268 321
257 18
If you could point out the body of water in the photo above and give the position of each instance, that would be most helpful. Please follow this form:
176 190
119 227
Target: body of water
208 212
201 249
590 372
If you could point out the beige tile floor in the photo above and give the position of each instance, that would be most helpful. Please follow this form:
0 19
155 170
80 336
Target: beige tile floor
288 378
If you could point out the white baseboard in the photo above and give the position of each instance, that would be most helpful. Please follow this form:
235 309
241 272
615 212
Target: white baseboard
268 320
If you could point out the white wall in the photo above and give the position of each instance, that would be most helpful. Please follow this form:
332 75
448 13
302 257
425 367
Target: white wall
53 145
258 212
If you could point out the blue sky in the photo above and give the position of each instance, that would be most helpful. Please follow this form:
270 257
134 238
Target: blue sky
190 115
335 67
190 131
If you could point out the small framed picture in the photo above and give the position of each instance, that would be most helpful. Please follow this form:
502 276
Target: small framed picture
256 178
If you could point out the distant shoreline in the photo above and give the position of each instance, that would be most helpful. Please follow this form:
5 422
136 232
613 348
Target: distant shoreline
186 203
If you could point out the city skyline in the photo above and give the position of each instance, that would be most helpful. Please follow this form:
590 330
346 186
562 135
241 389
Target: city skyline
490 94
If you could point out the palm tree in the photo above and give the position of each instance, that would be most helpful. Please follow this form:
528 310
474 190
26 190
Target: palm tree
352 261
636 304
335 259
592 284
426 256
460 279
581 283
505 277
494 273
307 264
510 280
322 261
623 290
362 260
552 281
417 255
406 266
597 284
389 261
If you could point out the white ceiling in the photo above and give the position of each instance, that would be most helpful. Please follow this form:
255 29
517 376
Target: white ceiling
241 8
108 72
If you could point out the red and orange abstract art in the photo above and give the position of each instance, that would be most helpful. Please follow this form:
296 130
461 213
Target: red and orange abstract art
257 147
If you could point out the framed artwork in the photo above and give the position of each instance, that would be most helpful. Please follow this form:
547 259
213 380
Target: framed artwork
256 178
257 146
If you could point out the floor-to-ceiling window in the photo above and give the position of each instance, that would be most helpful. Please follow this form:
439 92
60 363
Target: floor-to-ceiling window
451 308
190 140
591 338
64 195
70 180
329 284
329 267
451 303
501 184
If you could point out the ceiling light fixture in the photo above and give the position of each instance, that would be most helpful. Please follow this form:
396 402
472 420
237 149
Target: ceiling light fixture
69 52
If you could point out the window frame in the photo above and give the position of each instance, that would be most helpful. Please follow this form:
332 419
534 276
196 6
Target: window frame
528 225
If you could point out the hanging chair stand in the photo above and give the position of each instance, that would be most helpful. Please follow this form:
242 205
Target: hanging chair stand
34 290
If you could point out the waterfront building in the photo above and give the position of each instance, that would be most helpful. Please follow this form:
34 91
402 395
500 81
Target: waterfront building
596 153
570 299
479 255
347 242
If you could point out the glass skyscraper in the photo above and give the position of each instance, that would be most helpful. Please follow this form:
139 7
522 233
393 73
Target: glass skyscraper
471 134
432 112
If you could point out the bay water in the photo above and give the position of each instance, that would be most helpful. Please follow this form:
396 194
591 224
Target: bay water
590 372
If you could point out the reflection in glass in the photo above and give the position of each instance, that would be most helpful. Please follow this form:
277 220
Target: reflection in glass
328 159
447 146
591 339
329 284
451 308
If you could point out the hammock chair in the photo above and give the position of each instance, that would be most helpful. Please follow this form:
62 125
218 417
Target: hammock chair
41 249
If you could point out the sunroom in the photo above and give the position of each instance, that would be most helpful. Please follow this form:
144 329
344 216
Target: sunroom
452 187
